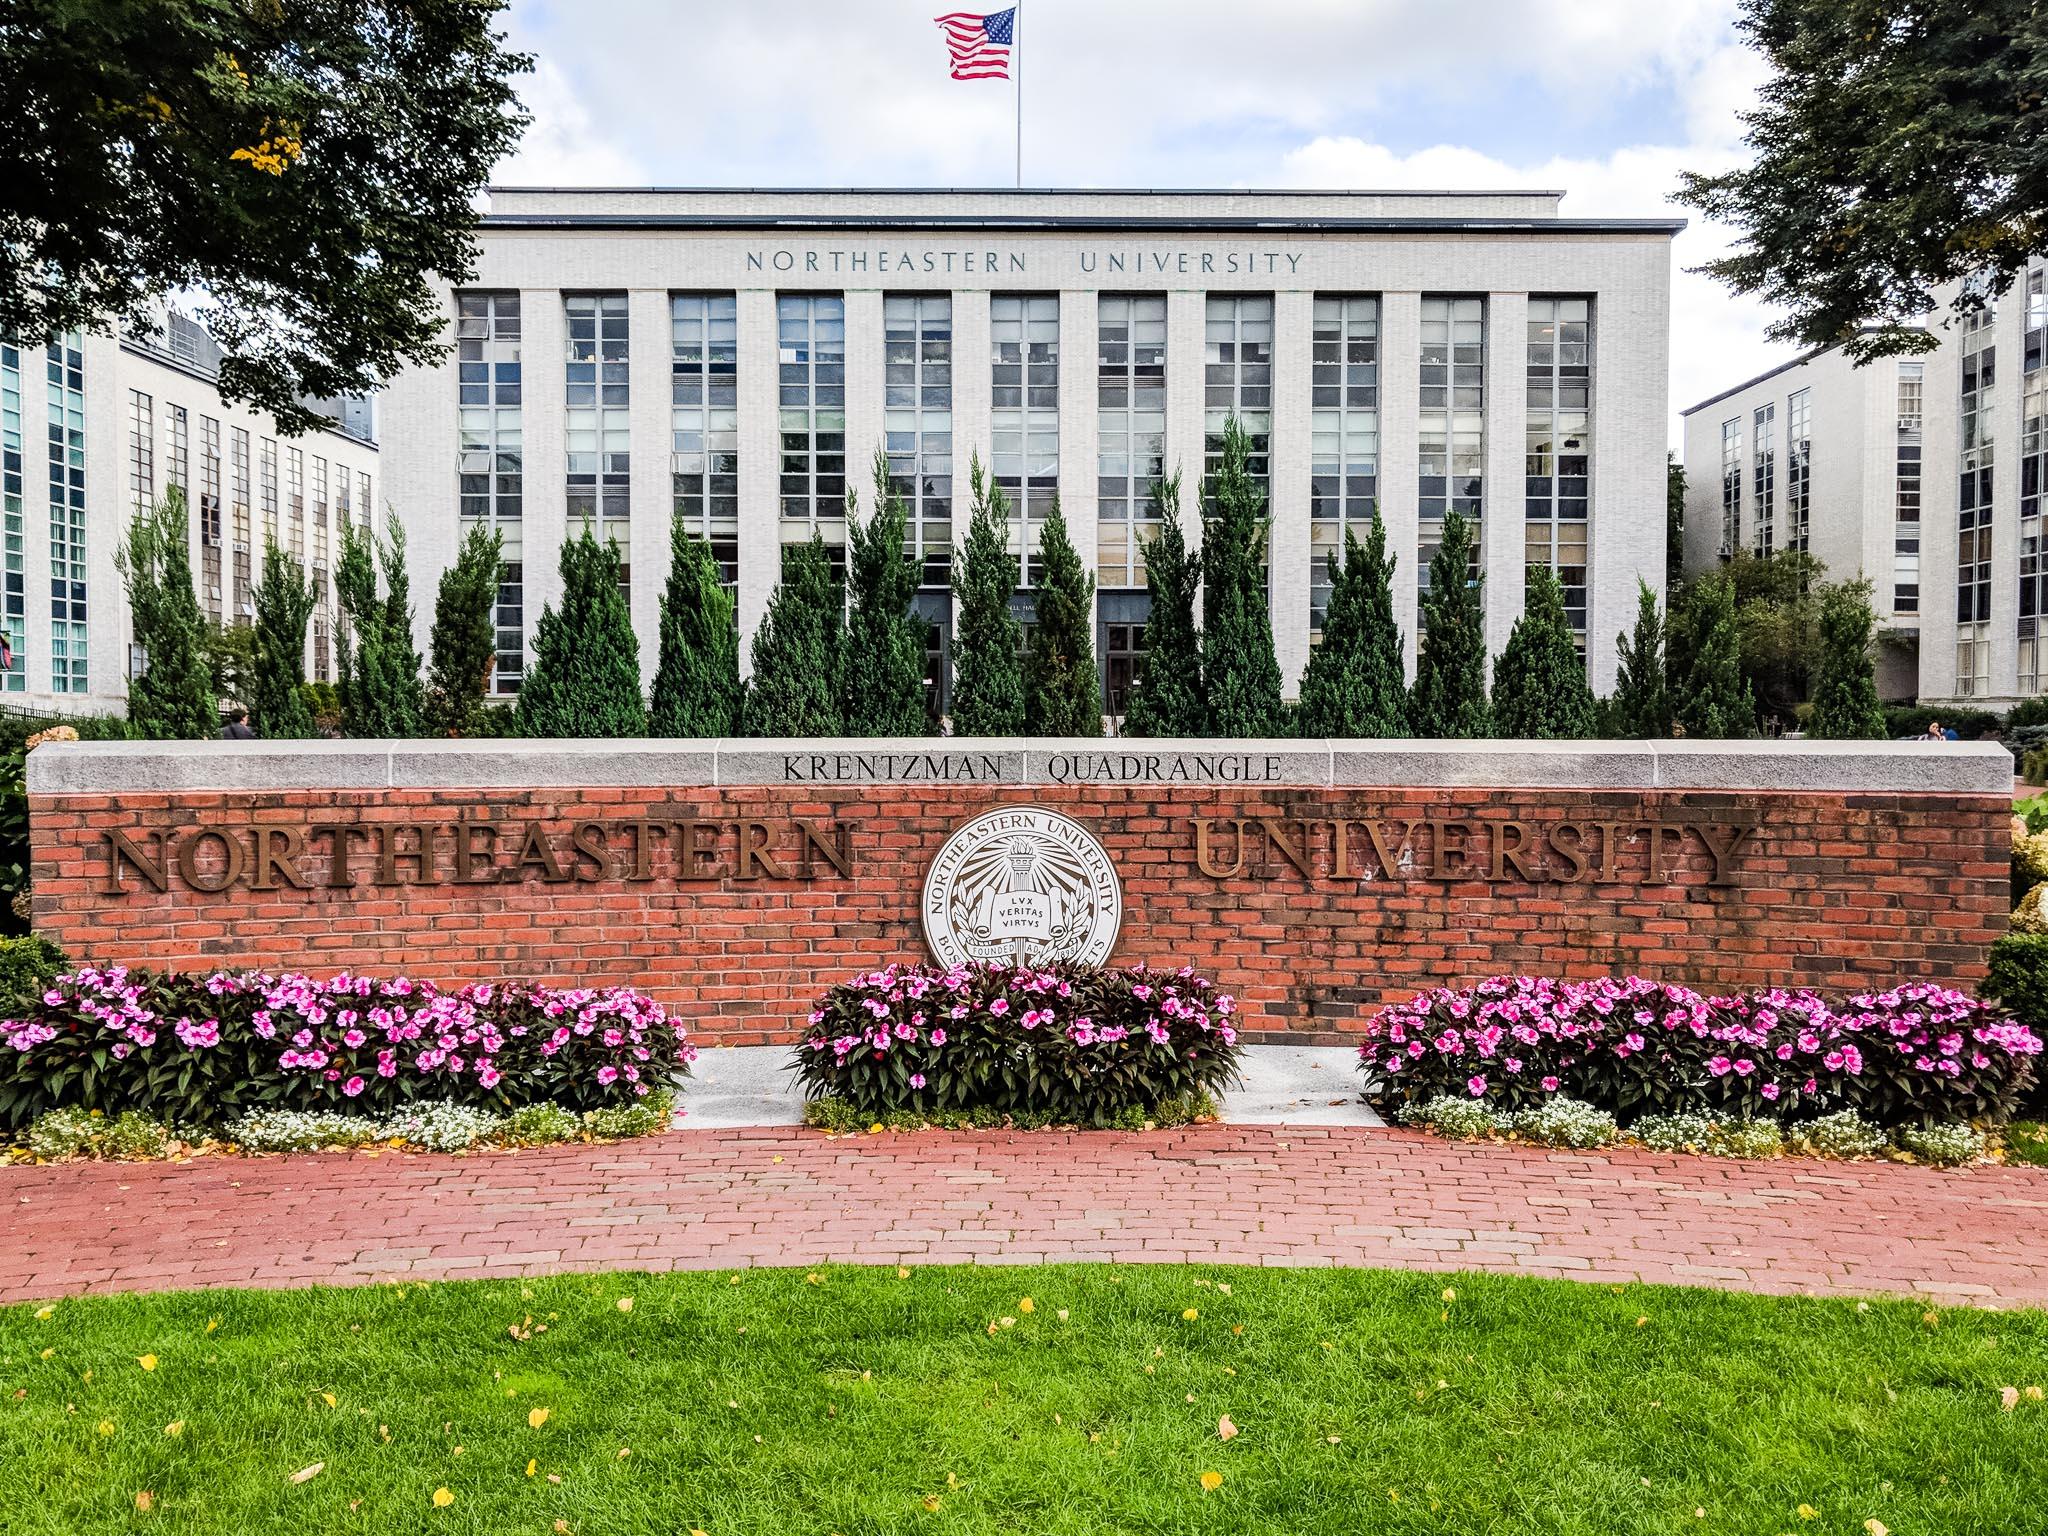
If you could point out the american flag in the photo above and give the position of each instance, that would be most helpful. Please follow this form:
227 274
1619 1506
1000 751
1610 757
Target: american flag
980 45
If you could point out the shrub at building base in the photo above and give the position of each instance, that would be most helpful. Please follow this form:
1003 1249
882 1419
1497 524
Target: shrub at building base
199 1051
1917 1055
1066 1043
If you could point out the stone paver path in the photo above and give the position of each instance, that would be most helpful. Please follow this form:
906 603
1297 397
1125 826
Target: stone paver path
1218 1193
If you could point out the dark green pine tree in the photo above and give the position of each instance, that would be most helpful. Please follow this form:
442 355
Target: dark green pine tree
883 679
988 676
1710 698
1166 696
697 676
1539 682
381 693
1449 696
794 690
284 602
1641 706
1238 665
1845 704
1062 694
464 641
173 700
1354 686
585 677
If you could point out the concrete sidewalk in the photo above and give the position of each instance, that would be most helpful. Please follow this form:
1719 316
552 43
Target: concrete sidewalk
736 1087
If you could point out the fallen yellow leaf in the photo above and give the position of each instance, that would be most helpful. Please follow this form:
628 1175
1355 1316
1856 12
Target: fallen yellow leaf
147 1362
625 1451
1211 1481
625 1303
1876 1527
532 1467
931 1503
106 1426
443 1498
1225 1430
307 1474
175 1428
902 1273
327 1398
1450 1293
1062 1316
1808 1512
2033 1394
536 1417
1026 1304
44 1314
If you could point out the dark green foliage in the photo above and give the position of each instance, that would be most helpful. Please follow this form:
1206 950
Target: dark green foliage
1449 696
309 164
1354 685
2017 978
1674 523
1166 697
173 700
1777 625
794 690
1710 698
1641 705
1896 150
284 602
29 964
2030 711
883 675
1062 693
464 640
230 652
988 674
381 695
1913 720
585 677
1845 706
697 671
1239 669
1539 683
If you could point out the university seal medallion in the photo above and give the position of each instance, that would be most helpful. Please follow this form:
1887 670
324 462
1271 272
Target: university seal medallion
1018 885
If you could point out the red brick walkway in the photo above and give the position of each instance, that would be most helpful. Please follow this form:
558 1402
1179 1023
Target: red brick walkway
1226 1194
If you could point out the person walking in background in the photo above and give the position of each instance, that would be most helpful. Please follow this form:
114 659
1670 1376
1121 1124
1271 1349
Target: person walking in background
238 727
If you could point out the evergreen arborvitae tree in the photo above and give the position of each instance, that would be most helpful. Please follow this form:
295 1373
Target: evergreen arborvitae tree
1710 698
882 679
585 677
1166 696
1641 705
381 694
1845 704
988 677
1238 665
697 676
173 700
464 641
794 690
284 602
1354 685
1062 694
1539 683
1449 696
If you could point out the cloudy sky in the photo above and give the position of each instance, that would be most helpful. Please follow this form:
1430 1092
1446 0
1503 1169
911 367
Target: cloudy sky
1605 100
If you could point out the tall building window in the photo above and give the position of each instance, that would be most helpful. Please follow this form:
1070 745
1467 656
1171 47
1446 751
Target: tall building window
363 501
1130 401
1906 493
322 668
1731 487
1559 453
917 403
599 425
209 515
141 451
1764 480
341 497
295 500
266 487
177 449
1123 650
811 394
1344 435
1025 430
1973 503
491 457
242 519
2033 470
1799 470
1451 442
14 593
66 396
704 454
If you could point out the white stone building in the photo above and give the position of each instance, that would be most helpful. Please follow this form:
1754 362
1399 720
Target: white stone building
738 357
95 426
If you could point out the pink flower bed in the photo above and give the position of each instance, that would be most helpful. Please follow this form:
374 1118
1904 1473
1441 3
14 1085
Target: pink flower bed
1918 1053
200 1049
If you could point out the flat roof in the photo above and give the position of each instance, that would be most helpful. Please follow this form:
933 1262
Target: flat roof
1299 224
1772 373
713 191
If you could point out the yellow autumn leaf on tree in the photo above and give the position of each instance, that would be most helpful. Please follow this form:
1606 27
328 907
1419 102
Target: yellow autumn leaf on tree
443 1498
1211 1481
536 1417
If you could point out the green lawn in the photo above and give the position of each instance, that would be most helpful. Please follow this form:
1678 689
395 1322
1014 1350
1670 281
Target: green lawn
2026 1141
869 1402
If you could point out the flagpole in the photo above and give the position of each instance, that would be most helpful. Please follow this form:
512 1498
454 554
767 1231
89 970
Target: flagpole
1017 55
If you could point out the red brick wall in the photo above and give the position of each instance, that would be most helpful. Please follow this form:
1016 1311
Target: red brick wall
1832 890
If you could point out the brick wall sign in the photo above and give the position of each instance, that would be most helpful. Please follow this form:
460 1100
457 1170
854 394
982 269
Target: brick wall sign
1313 879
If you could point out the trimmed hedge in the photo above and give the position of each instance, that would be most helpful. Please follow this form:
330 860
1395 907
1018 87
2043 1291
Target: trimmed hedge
199 1051
1915 1055
1078 1044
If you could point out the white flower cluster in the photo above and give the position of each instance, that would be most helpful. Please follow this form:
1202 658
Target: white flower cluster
1563 1122
1945 1146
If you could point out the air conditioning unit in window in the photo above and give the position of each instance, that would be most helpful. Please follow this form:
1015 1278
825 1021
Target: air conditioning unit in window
1909 423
